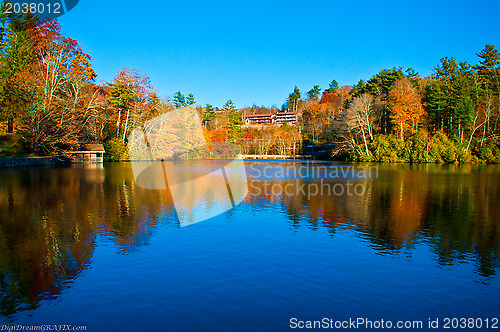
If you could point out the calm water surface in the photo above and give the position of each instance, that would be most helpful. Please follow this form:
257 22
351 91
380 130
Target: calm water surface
86 246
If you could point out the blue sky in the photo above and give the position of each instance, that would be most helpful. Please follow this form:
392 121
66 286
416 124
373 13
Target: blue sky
255 52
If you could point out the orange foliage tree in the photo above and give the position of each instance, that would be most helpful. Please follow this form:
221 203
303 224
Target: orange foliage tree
246 142
286 138
51 89
218 135
317 116
405 105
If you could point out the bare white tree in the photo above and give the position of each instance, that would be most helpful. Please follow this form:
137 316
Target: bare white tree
361 117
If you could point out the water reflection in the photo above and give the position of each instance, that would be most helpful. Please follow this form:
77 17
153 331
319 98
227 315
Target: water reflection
50 218
453 208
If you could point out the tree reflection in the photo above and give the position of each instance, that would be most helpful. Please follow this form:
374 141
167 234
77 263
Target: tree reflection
454 208
49 220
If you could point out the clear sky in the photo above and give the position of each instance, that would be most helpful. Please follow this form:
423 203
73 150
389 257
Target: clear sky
255 52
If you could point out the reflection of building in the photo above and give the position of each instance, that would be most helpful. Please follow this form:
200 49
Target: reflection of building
277 118
90 153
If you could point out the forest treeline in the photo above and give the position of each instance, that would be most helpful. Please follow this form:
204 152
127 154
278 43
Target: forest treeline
50 99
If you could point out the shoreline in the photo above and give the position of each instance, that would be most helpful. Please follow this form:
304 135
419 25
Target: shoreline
58 161
7 163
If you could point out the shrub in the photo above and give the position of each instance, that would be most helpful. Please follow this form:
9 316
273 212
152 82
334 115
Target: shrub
441 149
387 148
354 155
417 148
116 150
490 152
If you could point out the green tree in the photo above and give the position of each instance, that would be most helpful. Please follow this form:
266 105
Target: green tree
333 86
234 121
314 93
293 101
16 53
435 101
490 58
120 97
453 98
208 114
179 100
358 89
190 99
488 71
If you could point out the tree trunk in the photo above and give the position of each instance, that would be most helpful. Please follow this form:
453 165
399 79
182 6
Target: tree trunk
126 126
459 133
482 136
118 123
474 128
364 141
10 125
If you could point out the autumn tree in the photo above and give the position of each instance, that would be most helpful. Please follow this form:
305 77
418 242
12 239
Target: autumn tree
219 135
247 142
316 117
96 113
379 86
264 142
328 97
49 89
131 96
405 105
285 138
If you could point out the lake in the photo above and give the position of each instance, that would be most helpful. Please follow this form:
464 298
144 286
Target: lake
86 246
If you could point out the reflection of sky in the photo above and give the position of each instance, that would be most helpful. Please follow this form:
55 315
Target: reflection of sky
253 268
